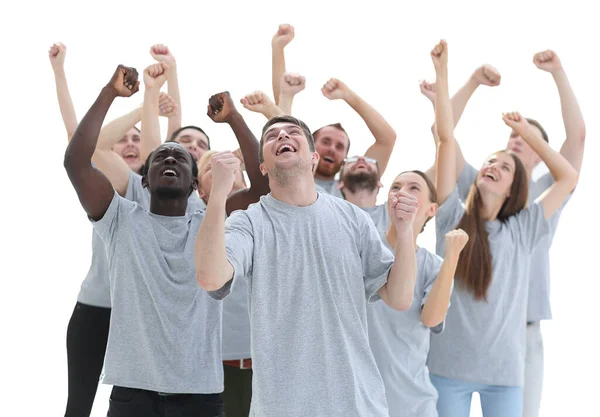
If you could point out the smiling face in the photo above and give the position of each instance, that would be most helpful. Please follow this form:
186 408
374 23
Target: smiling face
332 145
285 148
194 141
171 172
360 173
128 148
415 184
496 175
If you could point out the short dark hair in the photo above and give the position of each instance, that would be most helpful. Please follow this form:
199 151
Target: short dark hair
285 119
146 166
178 131
337 126
539 126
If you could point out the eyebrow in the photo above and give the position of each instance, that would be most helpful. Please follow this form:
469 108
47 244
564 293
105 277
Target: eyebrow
287 125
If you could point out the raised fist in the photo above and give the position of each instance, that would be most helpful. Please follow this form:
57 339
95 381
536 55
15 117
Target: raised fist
334 89
454 242
155 76
515 121
487 75
167 107
284 35
57 54
257 102
404 206
224 166
439 55
547 61
161 53
221 107
292 83
124 81
428 90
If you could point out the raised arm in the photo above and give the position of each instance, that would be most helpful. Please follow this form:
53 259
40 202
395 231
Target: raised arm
154 77
398 292
291 84
385 136
436 306
284 36
445 178
222 110
484 75
572 148
93 188
57 54
162 53
259 102
210 241
565 176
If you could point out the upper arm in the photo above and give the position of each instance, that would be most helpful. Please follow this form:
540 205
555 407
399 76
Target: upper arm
115 169
381 152
239 244
554 197
93 189
572 151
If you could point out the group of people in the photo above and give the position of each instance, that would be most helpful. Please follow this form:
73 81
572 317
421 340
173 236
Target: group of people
291 292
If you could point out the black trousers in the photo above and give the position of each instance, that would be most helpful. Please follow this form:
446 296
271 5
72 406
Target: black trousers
131 402
238 391
87 335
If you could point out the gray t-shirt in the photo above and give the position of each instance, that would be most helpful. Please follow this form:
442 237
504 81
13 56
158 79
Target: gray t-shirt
236 323
400 342
95 288
538 302
310 273
330 187
165 331
484 342
380 216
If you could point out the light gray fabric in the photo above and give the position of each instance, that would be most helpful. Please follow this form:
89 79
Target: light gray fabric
538 302
380 216
165 331
236 323
310 273
484 342
330 187
400 343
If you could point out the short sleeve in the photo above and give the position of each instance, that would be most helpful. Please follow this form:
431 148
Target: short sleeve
465 180
107 226
376 258
431 269
239 247
529 226
447 218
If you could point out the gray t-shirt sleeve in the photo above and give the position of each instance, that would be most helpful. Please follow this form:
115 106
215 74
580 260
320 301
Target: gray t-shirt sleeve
107 225
376 258
239 246
465 180
530 225
432 267
449 214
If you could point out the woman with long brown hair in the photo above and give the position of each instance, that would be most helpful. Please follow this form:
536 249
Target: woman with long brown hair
483 347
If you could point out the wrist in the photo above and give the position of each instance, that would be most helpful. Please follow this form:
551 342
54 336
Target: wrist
59 71
109 92
404 233
151 91
352 98
559 72
234 118
451 255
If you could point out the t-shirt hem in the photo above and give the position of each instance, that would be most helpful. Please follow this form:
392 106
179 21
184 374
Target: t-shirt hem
215 389
484 381
94 302
236 356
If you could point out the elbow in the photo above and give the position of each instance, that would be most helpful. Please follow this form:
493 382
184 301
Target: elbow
401 303
431 322
206 283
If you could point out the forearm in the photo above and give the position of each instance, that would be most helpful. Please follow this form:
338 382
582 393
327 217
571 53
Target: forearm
461 98
83 144
435 308
113 131
249 147
174 122
560 169
209 251
402 277
382 131
285 103
273 111
65 103
278 69
150 132
445 169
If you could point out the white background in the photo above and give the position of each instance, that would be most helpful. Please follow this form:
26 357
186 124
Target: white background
381 50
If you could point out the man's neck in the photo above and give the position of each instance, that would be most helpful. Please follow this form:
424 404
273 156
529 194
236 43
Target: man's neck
362 198
324 177
300 192
168 207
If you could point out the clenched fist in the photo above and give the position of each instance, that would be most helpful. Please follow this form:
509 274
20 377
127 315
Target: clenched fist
161 53
428 90
547 61
292 83
454 242
167 106
57 54
155 76
221 108
224 167
124 81
334 89
487 75
439 55
404 208
284 35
